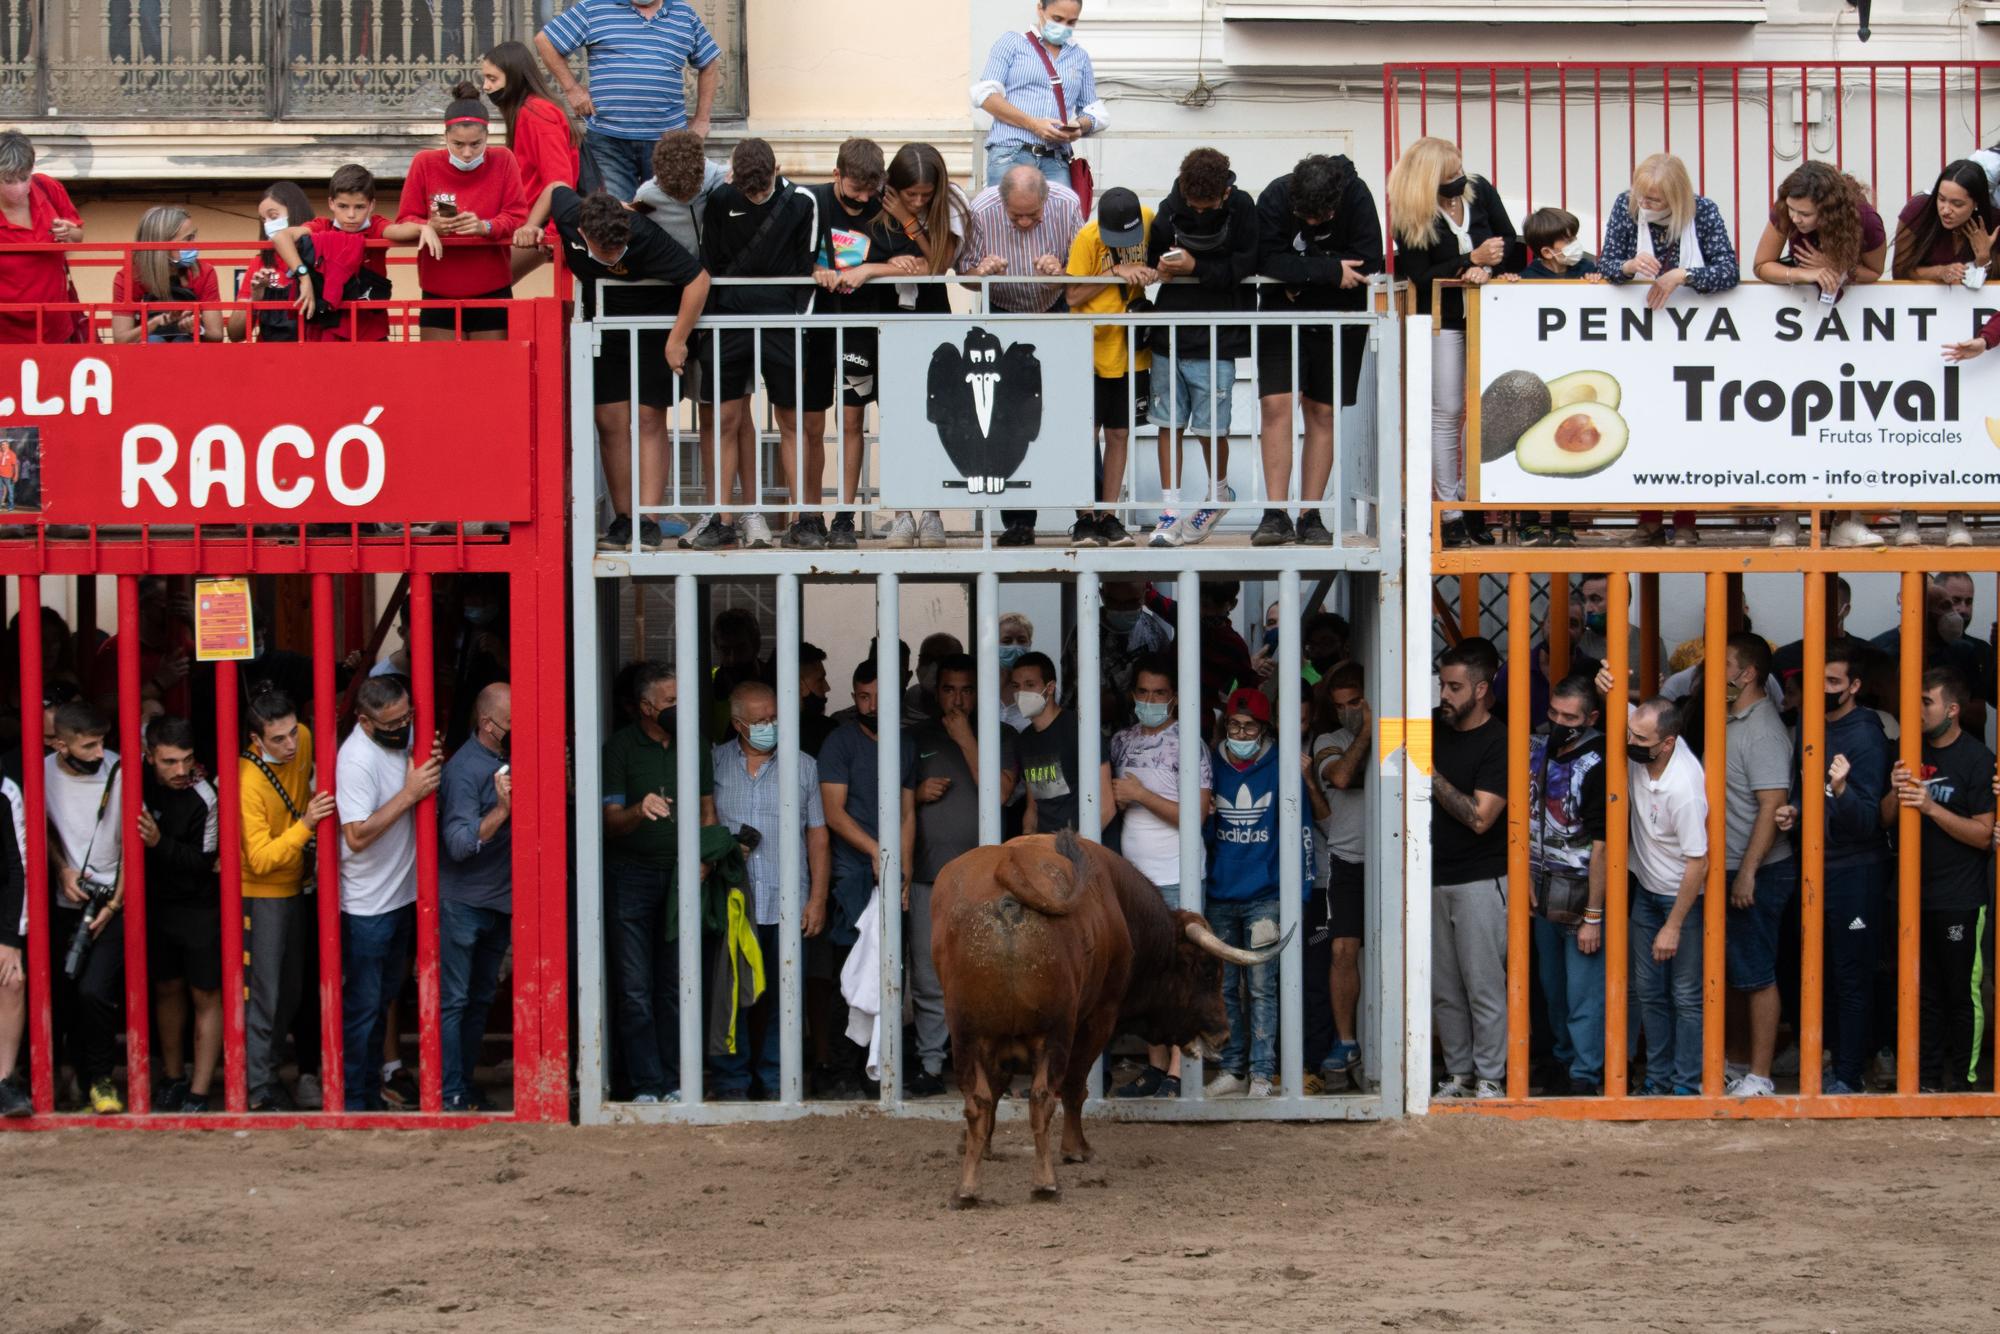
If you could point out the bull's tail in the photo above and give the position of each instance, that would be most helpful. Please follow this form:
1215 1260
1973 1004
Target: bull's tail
1049 885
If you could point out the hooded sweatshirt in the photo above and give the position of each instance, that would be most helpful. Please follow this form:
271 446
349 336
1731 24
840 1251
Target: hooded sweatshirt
681 221
1304 260
1243 837
1854 834
1223 244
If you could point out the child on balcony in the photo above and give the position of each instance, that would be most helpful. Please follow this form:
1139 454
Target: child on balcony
1554 251
468 189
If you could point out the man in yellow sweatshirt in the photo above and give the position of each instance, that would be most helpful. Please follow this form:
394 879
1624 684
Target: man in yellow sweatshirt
280 814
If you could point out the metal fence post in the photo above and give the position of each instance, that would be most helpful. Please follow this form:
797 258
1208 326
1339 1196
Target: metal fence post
1292 875
889 793
1187 647
791 841
690 758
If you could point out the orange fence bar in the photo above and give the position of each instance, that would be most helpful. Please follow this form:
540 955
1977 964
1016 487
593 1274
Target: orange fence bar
1468 605
1715 756
1812 841
1617 840
1909 831
1521 657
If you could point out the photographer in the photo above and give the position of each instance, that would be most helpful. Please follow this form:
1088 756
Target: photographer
280 812
178 826
88 878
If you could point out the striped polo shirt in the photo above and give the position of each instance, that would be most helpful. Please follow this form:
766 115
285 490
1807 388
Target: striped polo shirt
637 80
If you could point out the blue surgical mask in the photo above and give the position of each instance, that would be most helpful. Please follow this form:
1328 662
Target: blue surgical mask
1057 34
1011 654
1243 748
464 165
1151 713
187 258
764 737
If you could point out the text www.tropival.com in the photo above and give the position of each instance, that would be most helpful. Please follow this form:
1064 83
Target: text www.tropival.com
1836 477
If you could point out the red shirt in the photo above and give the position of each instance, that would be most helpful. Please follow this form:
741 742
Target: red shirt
35 278
373 326
200 280
542 147
492 193
10 463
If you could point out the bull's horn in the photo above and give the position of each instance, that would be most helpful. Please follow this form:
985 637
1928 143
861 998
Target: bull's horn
1199 933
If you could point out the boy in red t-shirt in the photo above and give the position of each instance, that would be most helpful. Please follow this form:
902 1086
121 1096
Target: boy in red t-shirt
350 205
10 471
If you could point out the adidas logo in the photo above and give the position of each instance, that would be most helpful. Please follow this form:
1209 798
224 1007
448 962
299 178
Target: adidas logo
1857 925
1241 817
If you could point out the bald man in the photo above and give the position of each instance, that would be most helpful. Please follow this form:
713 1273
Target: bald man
475 888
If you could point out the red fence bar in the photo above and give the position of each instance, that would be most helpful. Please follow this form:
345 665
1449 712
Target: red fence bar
1617 837
426 737
326 899
131 777
1715 758
41 1027
229 828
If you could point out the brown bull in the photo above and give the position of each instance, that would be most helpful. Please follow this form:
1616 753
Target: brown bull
1046 946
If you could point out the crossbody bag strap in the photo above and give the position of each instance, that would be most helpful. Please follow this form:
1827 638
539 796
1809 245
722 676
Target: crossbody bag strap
1055 79
103 805
272 778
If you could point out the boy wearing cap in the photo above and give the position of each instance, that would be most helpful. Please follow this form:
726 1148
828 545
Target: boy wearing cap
1113 246
1242 888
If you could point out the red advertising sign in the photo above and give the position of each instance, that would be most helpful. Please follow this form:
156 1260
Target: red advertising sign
332 433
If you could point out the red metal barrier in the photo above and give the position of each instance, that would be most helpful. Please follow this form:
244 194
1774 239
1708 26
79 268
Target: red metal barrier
131 531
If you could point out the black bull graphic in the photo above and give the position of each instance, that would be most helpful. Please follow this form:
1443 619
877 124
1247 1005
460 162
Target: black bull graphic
986 403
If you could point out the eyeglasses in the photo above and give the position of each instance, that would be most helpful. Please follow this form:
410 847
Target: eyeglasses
1245 731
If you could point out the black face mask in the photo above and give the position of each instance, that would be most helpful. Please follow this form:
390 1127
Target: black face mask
1835 699
398 739
1561 738
813 706
87 768
867 719
1642 754
664 720
1452 188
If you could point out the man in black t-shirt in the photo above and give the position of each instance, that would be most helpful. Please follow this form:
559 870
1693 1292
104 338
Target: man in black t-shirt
1469 875
599 242
178 825
1049 751
847 204
941 793
1954 795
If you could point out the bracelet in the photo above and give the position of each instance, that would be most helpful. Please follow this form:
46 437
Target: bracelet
1592 916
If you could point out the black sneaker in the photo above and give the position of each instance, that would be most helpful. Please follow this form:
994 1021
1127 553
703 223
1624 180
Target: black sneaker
1147 1085
1111 532
1312 531
711 534
400 1090
806 534
1016 535
172 1096
840 537
1274 531
14 1104
1084 532
195 1104
273 1099
924 1084
1476 530
1562 535
1532 534
618 535
650 536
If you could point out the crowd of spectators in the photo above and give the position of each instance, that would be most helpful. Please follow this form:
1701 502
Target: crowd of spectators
1671 853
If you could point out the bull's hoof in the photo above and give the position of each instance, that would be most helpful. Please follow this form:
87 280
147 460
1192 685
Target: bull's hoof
1046 1195
963 1200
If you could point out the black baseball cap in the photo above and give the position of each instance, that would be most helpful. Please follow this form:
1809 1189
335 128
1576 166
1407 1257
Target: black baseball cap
1120 222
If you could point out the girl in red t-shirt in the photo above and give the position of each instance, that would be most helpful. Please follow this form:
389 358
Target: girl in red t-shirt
470 189
178 276
540 134
34 208
283 205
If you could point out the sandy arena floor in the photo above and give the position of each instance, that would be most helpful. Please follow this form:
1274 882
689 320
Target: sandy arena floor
841 1225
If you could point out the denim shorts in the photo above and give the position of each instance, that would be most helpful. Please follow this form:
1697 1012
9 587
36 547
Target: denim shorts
1172 894
1202 408
1752 939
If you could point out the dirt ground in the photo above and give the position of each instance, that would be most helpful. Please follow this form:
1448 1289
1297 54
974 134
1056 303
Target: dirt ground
840 1224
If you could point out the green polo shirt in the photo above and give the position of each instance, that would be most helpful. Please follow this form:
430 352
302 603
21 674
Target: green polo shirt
635 764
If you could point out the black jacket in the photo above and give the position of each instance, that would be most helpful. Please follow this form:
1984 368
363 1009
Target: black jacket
1307 260
735 243
179 870
13 880
1421 265
1221 266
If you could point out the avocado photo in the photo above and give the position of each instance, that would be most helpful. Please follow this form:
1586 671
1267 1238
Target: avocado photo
1576 440
1583 387
1512 403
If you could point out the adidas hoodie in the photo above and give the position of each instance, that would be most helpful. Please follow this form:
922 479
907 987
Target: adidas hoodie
1243 835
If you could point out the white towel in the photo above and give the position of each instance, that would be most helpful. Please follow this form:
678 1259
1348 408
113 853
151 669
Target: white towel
861 984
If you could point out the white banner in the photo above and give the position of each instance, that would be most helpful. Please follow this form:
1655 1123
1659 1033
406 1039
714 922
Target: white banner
1580 395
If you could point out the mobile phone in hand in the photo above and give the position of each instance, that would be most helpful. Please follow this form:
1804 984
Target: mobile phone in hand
1176 255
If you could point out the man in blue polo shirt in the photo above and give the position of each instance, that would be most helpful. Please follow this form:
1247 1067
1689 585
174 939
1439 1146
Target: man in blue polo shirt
638 50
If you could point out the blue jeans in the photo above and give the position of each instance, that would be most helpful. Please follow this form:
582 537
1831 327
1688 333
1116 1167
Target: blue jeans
7 492
472 944
756 1034
1001 157
1573 987
622 164
645 978
1857 911
376 952
1669 994
1237 924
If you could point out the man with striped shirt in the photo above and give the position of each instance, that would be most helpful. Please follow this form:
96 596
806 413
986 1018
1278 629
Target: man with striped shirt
638 50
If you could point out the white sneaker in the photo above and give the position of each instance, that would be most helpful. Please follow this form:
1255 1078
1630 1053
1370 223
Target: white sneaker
1956 534
308 1094
1489 1088
1851 532
1747 1085
1167 532
757 533
1733 1071
930 529
903 532
1260 1087
1196 527
1227 1086
1786 534
1458 1086
1906 531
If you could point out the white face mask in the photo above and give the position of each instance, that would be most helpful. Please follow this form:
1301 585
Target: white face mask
1654 215
1572 252
464 165
1031 703
272 226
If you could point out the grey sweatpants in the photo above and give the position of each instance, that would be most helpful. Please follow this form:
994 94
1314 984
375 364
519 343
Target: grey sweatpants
1469 976
274 941
926 992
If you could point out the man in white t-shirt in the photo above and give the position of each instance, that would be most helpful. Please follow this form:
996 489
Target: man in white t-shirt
1146 784
81 788
1669 864
1339 765
377 785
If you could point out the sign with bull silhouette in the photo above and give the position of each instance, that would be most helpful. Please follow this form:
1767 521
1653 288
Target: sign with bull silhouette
986 414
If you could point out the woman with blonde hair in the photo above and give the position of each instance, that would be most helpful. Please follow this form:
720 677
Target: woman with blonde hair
1663 233
1452 227
179 276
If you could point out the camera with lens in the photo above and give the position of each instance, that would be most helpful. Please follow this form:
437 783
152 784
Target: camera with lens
100 896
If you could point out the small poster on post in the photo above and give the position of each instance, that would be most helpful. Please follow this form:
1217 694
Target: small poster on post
222 621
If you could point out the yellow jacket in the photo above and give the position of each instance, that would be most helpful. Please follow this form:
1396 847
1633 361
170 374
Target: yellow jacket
274 844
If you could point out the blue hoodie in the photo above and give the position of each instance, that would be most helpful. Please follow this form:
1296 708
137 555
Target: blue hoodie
1243 837
1854 834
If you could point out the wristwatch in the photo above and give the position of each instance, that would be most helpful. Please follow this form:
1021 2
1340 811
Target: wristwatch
297 272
